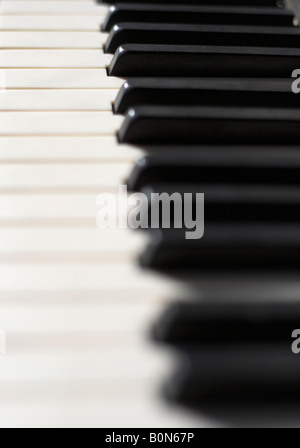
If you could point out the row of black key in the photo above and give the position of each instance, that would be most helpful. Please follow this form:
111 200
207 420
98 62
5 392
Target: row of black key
216 105
149 48
197 15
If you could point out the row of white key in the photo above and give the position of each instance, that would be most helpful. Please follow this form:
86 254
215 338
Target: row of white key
82 7
73 304
51 23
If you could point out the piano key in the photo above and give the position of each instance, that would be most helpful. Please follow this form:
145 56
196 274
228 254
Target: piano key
156 297
50 23
53 59
213 152
238 203
68 366
56 209
65 149
38 176
86 414
83 318
75 209
224 249
133 60
179 34
59 79
52 7
65 100
73 390
196 92
87 277
72 241
259 375
209 125
58 123
256 3
221 171
51 40
194 14
193 323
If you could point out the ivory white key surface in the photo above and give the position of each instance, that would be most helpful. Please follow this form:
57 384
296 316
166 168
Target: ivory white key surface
58 241
68 277
52 7
88 367
58 79
48 318
65 100
48 40
74 304
50 23
145 412
27 207
54 59
59 123
95 176
65 149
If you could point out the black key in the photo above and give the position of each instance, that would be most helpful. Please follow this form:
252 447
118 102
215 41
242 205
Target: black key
226 249
238 191
157 13
179 34
204 92
256 3
195 323
133 60
232 202
277 172
210 125
212 152
253 374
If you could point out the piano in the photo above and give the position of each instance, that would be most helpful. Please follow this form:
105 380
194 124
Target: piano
115 328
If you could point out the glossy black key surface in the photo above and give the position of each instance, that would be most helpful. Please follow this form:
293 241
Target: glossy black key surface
226 249
255 374
200 92
195 323
179 34
256 3
233 193
157 13
210 125
232 202
133 60
215 171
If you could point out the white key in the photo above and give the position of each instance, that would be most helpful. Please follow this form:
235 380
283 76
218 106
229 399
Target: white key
98 364
85 277
59 79
35 241
38 207
48 40
50 23
147 412
59 123
52 7
60 149
80 318
54 59
96 391
95 176
65 100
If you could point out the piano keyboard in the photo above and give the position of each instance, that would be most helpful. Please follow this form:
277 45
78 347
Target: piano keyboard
76 308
